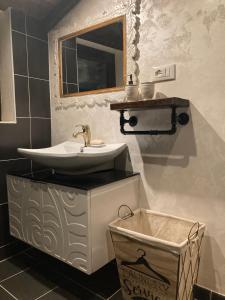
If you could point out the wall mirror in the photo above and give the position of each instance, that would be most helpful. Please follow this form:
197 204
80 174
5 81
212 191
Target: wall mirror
93 60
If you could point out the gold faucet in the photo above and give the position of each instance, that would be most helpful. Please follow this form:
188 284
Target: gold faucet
85 133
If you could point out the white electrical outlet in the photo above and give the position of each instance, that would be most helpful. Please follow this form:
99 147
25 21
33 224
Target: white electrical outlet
164 73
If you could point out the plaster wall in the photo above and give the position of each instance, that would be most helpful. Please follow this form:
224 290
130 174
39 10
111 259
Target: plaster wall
182 174
8 109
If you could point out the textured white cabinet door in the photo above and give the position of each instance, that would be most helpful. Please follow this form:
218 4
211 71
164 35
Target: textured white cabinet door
25 210
65 225
51 218
18 197
68 223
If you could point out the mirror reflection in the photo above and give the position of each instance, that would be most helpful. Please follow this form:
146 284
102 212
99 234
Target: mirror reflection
93 60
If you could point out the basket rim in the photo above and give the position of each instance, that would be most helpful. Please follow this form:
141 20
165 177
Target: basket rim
171 246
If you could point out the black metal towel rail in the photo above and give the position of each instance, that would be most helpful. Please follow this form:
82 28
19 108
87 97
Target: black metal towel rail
182 119
168 103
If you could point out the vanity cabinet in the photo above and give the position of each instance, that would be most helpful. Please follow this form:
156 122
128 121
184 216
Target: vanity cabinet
69 223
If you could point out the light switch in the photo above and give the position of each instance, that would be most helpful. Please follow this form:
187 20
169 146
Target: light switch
164 73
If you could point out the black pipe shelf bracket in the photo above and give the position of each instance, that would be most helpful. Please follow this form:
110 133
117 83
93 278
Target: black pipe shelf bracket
169 103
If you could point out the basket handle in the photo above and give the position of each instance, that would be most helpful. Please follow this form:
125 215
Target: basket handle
126 216
194 234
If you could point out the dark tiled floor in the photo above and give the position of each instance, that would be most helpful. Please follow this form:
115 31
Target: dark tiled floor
59 294
201 293
94 283
15 265
5 237
32 275
12 248
216 296
4 295
29 284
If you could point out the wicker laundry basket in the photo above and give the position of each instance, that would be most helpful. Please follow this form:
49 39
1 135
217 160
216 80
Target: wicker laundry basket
157 255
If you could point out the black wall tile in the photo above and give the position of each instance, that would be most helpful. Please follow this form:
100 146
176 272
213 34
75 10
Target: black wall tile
19 53
39 98
14 136
22 96
37 167
36 29
41 133
18 20
18 135
6 167
38 58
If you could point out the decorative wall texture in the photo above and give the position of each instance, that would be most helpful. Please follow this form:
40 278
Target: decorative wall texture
121 8
182 174
32 127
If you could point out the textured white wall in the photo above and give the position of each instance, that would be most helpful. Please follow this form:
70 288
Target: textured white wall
8 108
182 174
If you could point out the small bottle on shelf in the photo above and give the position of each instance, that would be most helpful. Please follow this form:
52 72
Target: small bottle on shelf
131 90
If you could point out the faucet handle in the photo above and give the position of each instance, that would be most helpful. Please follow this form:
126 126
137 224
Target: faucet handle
75 134
79 125
86 133
84 127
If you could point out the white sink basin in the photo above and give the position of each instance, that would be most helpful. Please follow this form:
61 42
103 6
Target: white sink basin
68 158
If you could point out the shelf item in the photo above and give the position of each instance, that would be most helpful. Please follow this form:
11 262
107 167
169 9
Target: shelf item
166 103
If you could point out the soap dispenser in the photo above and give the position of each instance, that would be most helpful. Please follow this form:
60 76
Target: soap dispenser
131 90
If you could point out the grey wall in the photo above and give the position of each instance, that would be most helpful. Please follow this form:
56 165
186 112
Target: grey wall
32 130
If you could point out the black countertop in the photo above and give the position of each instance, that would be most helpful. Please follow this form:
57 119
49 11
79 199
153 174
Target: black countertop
83 182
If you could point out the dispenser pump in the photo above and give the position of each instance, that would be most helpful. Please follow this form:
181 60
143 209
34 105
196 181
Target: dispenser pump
130 82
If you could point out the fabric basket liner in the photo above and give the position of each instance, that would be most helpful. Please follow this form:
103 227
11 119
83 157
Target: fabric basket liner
158 229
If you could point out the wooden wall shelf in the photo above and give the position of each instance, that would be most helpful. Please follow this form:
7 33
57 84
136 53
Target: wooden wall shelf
151 104
167 103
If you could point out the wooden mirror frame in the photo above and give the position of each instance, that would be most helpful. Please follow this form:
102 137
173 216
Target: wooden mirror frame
85 30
